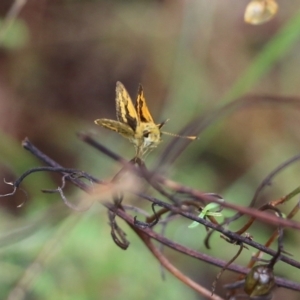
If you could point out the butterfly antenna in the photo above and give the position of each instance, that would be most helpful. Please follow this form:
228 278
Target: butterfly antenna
190 137
162 124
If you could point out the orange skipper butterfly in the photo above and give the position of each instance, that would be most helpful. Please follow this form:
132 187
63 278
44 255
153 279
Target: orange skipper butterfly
135 122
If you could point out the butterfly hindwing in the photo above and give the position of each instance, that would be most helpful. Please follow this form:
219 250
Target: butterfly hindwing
116 126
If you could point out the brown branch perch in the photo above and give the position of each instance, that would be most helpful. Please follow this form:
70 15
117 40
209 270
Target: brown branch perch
146 233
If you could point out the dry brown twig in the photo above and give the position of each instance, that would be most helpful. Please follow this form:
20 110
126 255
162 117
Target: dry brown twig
144 230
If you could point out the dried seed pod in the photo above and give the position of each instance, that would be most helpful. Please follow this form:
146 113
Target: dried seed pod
259 281
260 11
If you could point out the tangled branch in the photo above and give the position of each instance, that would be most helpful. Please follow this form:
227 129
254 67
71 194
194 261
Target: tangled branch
184 202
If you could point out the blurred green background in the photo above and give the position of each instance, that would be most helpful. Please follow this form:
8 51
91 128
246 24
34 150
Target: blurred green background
59 62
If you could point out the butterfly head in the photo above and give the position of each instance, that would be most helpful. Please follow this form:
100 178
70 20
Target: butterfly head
151 135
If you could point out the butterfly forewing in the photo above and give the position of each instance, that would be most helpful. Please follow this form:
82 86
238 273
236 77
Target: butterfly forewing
126 112
142 108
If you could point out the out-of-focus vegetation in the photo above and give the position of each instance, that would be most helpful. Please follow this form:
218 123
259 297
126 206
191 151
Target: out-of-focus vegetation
59 64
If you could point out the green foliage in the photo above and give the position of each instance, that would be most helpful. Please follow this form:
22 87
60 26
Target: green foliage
16 34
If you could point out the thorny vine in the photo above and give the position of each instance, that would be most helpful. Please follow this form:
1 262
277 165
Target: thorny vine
185 202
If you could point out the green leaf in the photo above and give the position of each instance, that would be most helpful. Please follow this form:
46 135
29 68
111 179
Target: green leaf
207 212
